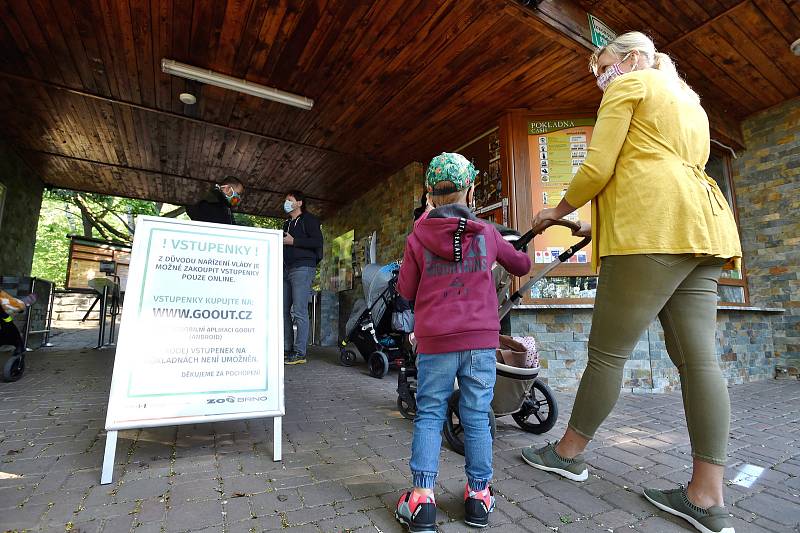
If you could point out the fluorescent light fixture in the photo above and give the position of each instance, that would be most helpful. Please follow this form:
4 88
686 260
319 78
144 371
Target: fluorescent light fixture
170 66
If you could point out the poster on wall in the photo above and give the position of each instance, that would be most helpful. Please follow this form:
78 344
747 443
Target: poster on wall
557 149
201 338
363 253
340 273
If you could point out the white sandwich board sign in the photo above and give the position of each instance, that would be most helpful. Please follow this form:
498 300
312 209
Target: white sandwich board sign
201 338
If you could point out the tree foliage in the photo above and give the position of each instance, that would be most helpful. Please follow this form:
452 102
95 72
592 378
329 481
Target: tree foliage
99 216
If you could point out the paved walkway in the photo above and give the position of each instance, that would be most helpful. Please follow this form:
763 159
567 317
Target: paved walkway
346 460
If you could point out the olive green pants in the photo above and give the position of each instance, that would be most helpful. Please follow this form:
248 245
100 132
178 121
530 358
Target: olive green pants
682 291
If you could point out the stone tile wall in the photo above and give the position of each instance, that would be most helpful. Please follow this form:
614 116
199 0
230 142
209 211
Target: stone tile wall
20 214
386 208
744 343
767 183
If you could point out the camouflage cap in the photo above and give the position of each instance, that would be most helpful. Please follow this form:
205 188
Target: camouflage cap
450 167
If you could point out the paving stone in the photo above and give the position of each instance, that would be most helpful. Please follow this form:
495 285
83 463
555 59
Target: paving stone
315 514
346 461
569 493
325 493
549 511
775 509
190 515
276 501
350 522
614 519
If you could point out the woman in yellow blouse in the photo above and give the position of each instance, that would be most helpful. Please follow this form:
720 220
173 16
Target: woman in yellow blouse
663 232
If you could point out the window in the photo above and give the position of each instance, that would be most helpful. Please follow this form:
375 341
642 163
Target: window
732 285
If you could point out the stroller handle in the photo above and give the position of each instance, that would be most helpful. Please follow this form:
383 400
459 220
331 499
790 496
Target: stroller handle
523 241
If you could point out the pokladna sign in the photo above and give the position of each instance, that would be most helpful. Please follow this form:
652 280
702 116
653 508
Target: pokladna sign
201 338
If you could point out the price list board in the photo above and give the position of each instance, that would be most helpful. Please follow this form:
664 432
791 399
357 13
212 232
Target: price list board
558 148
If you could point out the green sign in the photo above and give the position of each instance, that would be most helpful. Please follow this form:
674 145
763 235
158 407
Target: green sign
601 33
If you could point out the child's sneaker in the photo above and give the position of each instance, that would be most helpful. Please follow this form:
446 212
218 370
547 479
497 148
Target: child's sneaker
30 299
417 512
477 506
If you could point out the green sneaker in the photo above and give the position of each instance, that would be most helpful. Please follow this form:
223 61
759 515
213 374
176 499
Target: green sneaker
548 460
295 359
676 502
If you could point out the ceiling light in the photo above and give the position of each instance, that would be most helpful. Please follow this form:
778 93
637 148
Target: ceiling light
170 66
187 98
796 47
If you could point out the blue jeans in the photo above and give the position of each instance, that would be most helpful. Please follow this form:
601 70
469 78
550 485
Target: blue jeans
436 374
296 292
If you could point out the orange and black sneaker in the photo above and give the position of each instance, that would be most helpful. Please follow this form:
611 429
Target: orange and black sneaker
417 512
477 506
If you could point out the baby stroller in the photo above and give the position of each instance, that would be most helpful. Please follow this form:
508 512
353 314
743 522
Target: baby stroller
14 367
518 391
378 328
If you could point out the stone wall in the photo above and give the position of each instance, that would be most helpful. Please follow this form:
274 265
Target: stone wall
744 343
386 208
20 214
767 183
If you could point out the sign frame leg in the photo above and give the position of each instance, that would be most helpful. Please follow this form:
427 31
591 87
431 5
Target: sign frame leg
277 436
108 458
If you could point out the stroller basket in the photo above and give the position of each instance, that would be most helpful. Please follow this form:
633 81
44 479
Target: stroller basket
511 387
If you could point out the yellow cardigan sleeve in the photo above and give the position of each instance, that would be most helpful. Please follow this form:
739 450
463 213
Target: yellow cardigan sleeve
610 130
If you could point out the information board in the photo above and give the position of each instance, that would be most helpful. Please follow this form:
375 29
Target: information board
201 338
557 149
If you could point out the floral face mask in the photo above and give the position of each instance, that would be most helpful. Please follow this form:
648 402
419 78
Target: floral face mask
612 73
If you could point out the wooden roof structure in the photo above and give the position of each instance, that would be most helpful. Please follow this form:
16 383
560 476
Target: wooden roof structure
84 101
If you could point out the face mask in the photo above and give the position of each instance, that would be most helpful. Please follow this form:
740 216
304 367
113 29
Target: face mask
233 198
288 206
611 73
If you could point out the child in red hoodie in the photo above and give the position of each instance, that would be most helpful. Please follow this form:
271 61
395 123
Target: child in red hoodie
447 271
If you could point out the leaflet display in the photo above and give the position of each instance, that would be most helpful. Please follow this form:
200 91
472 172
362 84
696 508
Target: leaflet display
557 150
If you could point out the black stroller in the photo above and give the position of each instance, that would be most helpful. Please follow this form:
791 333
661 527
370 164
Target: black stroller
518 391
14 367
378 328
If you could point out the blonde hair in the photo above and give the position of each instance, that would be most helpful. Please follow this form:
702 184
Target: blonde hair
635 41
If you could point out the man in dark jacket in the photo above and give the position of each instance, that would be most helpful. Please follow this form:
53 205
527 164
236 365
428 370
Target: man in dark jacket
302 250
216 204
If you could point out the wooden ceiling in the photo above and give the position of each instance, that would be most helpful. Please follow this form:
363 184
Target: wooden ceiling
734 53
83 98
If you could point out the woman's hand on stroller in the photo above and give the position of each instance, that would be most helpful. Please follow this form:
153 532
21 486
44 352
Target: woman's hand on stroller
585 231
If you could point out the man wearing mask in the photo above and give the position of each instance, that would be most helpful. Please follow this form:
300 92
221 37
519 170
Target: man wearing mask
302 251
217 203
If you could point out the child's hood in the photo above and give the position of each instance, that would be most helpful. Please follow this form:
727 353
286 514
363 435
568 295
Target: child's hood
447 230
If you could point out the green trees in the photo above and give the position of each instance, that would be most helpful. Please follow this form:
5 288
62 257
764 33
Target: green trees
110 218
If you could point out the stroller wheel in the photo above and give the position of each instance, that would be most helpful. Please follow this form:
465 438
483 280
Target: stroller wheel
347 357
14 368
378 365
539 412
453 430
406 410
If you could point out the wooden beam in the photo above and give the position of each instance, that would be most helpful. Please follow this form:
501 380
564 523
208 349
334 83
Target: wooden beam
158 172
564 18
179 116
